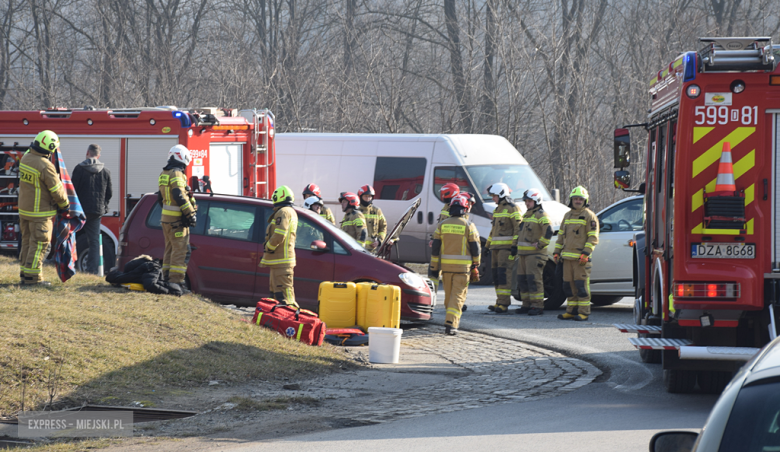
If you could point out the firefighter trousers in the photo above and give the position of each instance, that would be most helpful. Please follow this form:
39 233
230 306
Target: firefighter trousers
36 236
177 245
576 286
455 288
281 284
501 263
530 280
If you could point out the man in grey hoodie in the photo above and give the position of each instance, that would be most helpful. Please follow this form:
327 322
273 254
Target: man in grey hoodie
92 182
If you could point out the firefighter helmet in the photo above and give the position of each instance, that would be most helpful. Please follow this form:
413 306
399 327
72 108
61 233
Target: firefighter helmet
449 191
283 194
579 191
46 142
534 195
461 201
312 189
499 189
470 197
180 153
352 199
312 200
366 189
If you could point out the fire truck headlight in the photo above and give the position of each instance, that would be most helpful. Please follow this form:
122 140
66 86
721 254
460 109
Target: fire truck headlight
737 86
693 91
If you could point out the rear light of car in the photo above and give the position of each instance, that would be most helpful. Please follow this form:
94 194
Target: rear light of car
706 290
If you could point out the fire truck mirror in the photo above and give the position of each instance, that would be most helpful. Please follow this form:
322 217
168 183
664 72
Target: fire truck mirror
622 148
622 179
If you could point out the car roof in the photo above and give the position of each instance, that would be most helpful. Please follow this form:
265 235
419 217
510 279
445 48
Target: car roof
621 201
767 364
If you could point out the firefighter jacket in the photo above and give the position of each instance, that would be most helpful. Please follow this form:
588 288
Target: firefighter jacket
506 223
173 194
327 214
375 222
354 224
444 214
579 234
455 246
535 232
40 188
279 246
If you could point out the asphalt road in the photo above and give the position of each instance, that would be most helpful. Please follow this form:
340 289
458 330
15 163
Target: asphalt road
619 412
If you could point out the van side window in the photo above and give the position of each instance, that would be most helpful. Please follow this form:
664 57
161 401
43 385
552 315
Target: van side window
446 174
399 178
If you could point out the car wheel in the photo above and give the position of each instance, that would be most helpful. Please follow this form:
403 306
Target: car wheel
553 286
485 268
82 253
678 381
604 300
713 382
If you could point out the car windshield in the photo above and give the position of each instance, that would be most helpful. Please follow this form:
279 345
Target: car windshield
519 178
351 243
754 422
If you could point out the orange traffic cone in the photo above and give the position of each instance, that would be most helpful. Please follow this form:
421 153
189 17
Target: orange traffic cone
725 183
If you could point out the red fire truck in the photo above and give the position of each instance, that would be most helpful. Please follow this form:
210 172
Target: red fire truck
233 153
708 263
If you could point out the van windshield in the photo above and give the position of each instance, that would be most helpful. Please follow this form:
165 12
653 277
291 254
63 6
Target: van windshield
519 178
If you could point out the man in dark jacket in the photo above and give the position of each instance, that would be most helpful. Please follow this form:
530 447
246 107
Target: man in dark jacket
92 182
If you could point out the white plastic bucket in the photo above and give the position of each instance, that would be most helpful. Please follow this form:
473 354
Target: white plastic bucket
384 345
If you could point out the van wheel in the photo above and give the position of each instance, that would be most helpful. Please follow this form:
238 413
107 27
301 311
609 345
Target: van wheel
485 268
82 252
678 381
604 300
553 286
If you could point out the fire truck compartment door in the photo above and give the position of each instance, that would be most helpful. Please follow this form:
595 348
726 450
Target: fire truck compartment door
225 168
146 158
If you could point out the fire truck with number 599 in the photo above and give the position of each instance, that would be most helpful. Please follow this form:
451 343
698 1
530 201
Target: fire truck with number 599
707 267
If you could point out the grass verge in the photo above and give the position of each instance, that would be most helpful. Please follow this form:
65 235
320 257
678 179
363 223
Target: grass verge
86 341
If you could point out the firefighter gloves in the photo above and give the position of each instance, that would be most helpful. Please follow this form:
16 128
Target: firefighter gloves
583 259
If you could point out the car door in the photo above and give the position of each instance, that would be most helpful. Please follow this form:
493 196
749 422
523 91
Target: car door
311 266
612 258
225 250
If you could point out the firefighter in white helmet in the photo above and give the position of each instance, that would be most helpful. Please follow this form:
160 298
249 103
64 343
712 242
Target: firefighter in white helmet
313 190
41 194
178 216
279 246
532 240
502 243
577 238
455 252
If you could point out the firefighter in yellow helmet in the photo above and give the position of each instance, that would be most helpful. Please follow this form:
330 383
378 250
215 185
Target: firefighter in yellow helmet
279 247
455 252
353 223
40 195
502 243
532 240
578 236
375 219
178 216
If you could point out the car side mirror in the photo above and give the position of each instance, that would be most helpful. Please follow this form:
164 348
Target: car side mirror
622 179
673 441
604 226
318 245
622 148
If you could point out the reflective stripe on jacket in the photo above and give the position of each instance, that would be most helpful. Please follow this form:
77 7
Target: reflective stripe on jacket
535 229
455 246
354 224
40 188
375 222
280 238
175 201
506 222
579 234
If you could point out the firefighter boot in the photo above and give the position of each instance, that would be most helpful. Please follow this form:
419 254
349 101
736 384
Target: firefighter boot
535 311
567 316
581 317
523 310
501 309
492 308
450 331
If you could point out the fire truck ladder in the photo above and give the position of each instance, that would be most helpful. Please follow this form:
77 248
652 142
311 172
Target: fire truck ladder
260 144
738 54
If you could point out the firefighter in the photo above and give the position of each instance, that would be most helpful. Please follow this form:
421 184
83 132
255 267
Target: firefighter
471 201
447 192
178 216
375 219
354 223
308 232
534 236
279 246
40 195
314 190
502 243
455 253
578 236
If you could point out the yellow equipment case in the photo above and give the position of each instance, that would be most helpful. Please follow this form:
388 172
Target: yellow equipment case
362 303
337 304
383 307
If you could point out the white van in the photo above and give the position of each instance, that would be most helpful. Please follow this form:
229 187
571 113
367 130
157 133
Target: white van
404 167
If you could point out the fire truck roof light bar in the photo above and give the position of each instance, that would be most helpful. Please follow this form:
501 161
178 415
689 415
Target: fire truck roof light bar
689 71
738 54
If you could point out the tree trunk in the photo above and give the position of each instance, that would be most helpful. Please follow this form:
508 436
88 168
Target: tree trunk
456 67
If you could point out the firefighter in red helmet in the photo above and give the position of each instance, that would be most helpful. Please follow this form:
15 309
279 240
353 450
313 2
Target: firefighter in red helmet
375 219
314 190
354 223
447 192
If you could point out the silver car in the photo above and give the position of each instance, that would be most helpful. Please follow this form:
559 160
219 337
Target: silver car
745 418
